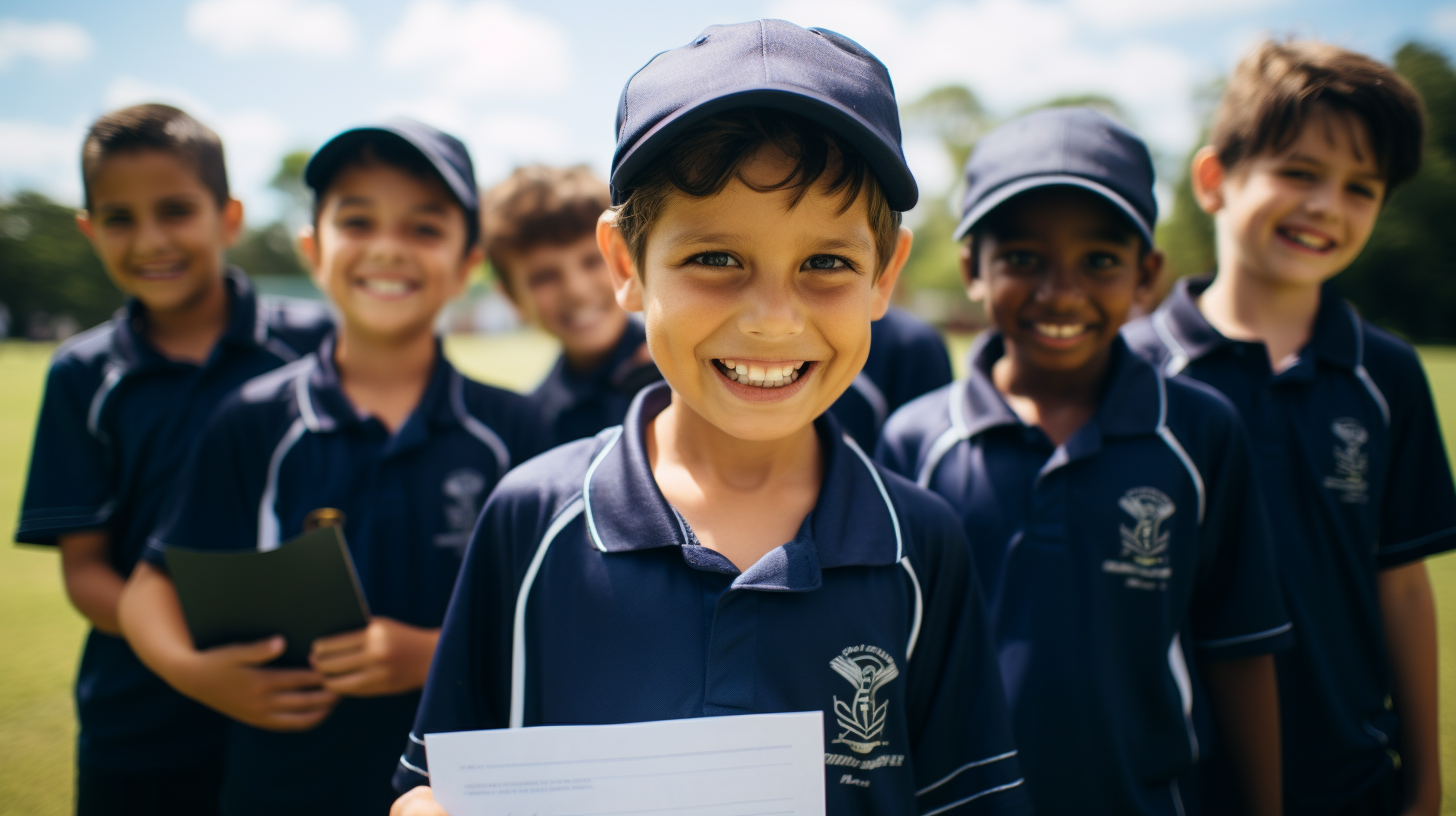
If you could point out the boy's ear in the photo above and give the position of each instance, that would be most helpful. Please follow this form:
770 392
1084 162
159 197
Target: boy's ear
1150 271
1207 175
885 284
308 247
232 221
83 223
625 278
474 258
975 284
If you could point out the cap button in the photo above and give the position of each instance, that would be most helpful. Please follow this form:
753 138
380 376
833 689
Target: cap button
700 40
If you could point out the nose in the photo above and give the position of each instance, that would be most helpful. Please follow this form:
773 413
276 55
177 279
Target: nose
1321 200
772 309
386 249
1060 286
150 237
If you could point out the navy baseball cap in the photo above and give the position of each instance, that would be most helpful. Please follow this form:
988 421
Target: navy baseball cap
812 72
1077 147
445 153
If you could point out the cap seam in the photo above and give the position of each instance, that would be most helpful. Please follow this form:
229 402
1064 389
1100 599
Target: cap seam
763 48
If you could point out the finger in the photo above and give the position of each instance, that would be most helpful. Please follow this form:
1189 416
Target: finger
359 683
342 663
294 720
255 653
418 801
302 701
333 644
275 680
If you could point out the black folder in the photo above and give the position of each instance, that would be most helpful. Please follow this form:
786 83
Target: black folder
305 589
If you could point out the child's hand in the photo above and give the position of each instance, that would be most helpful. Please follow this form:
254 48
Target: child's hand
418 802
385 657
231 680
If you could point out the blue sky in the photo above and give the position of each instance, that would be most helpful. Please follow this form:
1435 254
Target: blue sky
522 81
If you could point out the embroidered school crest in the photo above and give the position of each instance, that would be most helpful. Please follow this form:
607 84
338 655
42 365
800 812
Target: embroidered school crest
1351 462
1146 540
463 488
867 669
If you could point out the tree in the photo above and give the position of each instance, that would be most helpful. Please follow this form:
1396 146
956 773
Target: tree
47 268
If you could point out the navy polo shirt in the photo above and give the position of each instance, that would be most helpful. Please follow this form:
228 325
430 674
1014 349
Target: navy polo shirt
1109 564
576 404
1356 480
907 359
116 424
586 599
289 443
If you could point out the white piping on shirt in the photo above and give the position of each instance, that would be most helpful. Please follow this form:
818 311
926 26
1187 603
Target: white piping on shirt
879 483
1171 440
919 609
1237 639
969 765
475 427
305 400
1361 373
1178 359
268 524
113 376
1178 665
975 796
518 631
957 431
614 433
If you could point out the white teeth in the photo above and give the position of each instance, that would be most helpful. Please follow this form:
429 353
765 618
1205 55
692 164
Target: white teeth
774 376
755 374
741 369
385 286
1304 239
1060 330
730 365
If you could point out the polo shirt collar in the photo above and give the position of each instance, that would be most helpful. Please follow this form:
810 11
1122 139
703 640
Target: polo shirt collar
245 326
852 522
1189 336
1132 403
325 408
569 386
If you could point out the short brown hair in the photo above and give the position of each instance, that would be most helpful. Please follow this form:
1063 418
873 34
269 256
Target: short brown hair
712 152
1278 85
539 205
155 127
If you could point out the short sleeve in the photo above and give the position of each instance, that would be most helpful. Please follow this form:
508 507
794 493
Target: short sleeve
1237 608
72 483
965 758
1418 509
218 493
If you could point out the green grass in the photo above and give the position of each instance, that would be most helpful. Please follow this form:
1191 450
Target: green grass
42 634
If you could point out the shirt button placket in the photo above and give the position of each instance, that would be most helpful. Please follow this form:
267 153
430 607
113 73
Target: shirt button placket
732 654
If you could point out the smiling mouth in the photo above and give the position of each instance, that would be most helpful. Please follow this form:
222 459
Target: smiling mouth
1308 240
761 375
160 270
1061 331
386 287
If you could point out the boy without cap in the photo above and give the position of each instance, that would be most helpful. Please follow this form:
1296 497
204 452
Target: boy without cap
540 236
375 432
1306 146
727 550
124 403
1112 512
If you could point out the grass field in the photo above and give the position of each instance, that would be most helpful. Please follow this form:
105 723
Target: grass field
41 634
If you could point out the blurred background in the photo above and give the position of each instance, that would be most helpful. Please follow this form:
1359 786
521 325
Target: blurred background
539 81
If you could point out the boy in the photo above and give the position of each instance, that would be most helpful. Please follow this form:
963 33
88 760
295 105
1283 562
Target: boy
759 244
376 432
540 236
124 403
1307 144
1111 512
907 359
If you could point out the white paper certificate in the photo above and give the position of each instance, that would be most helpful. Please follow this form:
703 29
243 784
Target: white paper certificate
753 765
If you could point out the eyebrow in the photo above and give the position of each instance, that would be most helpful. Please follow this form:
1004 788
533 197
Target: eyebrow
432 207
1303 157
836 244
1108 234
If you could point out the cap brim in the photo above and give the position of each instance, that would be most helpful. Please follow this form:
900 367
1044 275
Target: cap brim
888 166
1008 191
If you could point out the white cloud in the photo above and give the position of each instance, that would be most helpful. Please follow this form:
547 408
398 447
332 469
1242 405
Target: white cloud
1018 53
308 27
1443 20
41 157
479 48
499 140
1131 14
54 43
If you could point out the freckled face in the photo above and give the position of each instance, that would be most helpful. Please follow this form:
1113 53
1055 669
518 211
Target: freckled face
1303 215
389 250
1059 270
757 313
158 229
566 289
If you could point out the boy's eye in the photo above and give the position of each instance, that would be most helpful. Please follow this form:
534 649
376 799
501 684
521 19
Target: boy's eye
175 210
719 259
354 223
826 262
1362 190
428 230
1297 174
116 219
1019 258
1102 261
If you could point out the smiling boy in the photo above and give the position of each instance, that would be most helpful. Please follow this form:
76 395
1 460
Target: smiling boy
539 229
124 403
1112 513
727 550
376 431
1307 144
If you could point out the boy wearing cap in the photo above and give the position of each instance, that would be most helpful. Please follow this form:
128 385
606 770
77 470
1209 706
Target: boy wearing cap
375 432
124 403
1112 512
540 236
907 359
1307 144
727 550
